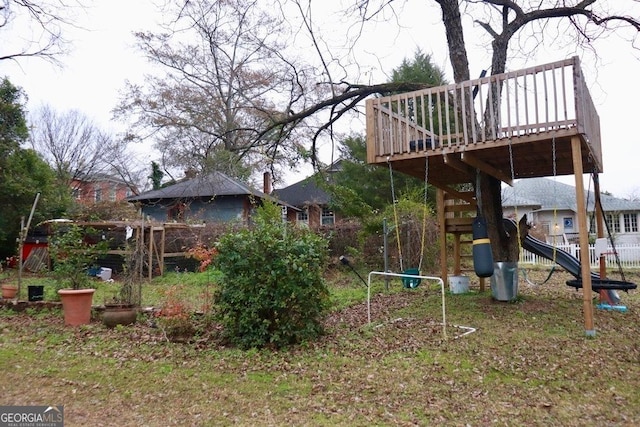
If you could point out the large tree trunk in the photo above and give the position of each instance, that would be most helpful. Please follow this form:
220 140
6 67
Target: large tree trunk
488 189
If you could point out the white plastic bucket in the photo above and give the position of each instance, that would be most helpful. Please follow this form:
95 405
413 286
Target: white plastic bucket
105 273
458 284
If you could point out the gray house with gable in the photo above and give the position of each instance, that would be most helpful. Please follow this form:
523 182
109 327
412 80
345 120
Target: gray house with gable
551 208
215 197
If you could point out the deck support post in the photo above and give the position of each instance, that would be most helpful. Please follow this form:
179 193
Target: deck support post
587 300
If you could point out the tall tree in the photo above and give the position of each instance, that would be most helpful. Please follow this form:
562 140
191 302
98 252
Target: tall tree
156 176
223 83
22 172
72 144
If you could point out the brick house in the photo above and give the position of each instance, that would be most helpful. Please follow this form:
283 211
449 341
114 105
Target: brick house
100 187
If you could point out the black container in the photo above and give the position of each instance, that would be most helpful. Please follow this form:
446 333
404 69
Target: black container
36 292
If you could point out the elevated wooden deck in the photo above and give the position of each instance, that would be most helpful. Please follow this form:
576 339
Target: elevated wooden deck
513 125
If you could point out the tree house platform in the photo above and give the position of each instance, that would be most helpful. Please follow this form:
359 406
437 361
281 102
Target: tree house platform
519 124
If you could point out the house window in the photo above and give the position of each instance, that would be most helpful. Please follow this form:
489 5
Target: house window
630 223
112 194
98 194
328 218
75 193
303 216
613 223
176 212
567 223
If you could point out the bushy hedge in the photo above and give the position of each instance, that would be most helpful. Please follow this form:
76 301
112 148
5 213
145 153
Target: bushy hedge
272 292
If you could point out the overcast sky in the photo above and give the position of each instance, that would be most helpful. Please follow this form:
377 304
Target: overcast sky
103 57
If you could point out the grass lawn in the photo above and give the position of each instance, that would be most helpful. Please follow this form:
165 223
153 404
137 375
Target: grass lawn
528 363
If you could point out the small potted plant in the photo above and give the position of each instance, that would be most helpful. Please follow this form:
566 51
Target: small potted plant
122 309
72 252
9 290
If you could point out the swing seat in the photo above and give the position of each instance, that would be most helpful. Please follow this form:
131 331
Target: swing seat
411 282
604 284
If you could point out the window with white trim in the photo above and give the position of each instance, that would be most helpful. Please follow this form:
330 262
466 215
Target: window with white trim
328 217
98 194
303 216
613 223
630 223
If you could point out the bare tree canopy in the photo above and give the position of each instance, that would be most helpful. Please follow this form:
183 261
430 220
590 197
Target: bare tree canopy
33 28
225 84
71 143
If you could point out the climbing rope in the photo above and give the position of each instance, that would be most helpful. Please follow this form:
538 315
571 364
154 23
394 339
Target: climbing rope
425 212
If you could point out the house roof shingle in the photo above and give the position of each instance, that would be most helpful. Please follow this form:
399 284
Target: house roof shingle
303 193
211 185
550 194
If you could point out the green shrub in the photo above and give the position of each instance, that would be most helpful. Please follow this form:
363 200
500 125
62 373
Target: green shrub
74 249
272 292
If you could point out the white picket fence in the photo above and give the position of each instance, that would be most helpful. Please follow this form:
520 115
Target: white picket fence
628 255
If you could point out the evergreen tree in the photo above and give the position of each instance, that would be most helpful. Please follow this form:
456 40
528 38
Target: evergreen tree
23 173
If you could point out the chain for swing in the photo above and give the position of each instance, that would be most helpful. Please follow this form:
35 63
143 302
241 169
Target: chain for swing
424 210
395 213
424 213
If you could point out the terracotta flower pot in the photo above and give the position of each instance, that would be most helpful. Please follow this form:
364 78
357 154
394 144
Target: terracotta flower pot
9 291
76 305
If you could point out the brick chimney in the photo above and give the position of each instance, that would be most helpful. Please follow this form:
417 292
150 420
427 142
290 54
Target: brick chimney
266 183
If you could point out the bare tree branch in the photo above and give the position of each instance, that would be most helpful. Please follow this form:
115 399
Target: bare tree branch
35 28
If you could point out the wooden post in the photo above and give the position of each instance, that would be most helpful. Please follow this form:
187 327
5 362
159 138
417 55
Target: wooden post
162 249
150 276
456 254
372 143
587 300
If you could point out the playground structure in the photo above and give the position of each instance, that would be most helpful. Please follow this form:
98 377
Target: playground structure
534 122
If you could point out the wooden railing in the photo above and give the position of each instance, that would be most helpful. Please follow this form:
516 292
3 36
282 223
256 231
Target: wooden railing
542 99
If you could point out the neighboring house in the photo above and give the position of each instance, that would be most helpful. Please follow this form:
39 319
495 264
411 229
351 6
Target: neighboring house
312 201
212 198
100 188
551 205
